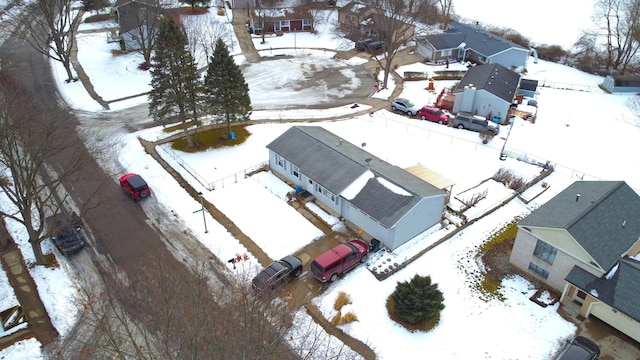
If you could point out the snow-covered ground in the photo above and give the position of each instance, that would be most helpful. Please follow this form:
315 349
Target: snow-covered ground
588 134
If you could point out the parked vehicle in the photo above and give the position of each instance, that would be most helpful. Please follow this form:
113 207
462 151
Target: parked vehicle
465 120
404 105
66 235
580 348
361 45
278 273
434 114
370 45
135 186
342 258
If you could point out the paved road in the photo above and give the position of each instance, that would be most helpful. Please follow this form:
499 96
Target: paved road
123 243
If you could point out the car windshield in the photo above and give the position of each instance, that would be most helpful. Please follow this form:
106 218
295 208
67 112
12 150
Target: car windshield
409 104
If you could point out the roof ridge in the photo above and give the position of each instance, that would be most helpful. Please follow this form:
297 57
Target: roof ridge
595 204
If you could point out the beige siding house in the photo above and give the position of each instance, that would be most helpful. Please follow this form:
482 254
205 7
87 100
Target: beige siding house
585 242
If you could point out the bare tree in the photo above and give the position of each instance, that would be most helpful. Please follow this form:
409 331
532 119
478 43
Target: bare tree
139 22
317 16
394 22
32 135
633 104
445 11
619 21
202 33
49 26
205 317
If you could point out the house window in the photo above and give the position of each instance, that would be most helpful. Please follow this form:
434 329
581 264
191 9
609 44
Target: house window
545 252
257 25
284 23
306 22
295 171
538 270
446 53
281 162
320 189
581 294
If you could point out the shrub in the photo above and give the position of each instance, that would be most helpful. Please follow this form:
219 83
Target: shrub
509 179
342 300
417 300
339 319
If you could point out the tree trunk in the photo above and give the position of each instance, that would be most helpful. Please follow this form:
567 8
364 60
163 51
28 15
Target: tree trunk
183 120
37 250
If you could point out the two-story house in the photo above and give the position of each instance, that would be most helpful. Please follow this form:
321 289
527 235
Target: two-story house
585 242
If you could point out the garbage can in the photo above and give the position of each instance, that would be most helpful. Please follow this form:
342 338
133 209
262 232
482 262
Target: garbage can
374 246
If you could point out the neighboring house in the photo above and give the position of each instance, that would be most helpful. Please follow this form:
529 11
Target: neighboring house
281 20
487 90
470 43
583 242
528 88
619 83
359 21
352 19
132 17
384 201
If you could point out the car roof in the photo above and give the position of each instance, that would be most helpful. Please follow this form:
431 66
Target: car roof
292 261
333 254
136 181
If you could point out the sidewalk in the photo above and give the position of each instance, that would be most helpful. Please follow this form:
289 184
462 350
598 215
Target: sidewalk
26 292
252 55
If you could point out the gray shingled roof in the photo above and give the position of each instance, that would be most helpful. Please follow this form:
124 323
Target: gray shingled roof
336 164
620 291
481 41
604 221
446 41
494 78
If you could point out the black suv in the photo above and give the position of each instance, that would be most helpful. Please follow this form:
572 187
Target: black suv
580 348
279 272
65 232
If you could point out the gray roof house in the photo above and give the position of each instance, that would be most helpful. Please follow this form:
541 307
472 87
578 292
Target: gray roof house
487 90
585 242
136 18
470 43
378 199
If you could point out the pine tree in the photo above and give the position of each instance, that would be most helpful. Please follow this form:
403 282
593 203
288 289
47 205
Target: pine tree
228 92
176 86
418 300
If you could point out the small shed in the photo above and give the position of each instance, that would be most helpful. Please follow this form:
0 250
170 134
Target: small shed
528 88
621 84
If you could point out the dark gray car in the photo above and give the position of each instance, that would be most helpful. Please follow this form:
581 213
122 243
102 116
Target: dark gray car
65 233
580 348
279 272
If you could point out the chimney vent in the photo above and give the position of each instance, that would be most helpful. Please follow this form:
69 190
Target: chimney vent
577 197
624 223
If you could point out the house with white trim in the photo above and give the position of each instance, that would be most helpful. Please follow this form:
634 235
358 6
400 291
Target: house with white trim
380 200
585 242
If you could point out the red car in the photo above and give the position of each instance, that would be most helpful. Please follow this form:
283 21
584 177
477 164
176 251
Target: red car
135 186
342 258
434 114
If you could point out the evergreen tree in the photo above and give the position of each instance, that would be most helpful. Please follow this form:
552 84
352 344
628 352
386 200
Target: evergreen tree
418 300
228 92
176 86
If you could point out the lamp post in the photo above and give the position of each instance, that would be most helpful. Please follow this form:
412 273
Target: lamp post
204 218
503 156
